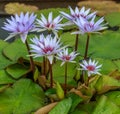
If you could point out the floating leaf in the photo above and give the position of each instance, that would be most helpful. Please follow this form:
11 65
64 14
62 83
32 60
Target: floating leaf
106 83
3 87
68 39
17 70
113 18
22 98
15 50
4 62
107 66
75 101
62 107
114 96
105 106
104 45
87 107
5 78
59 72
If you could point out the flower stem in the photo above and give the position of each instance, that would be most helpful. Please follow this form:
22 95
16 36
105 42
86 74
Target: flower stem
44 65
87 45
65 89
76 42
51 75
31 59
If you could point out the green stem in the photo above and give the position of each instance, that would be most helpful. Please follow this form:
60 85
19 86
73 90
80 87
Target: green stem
51 75
65 89
87 45
76 42
31 59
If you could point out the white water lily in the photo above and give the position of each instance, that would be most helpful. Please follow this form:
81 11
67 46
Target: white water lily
77 13
45 46
50 24
91 67
91 26
65 56
20 25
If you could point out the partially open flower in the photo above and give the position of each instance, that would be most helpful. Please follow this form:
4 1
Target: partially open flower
65 56
91 67
91 26
20 25
50 24
75 14
45 46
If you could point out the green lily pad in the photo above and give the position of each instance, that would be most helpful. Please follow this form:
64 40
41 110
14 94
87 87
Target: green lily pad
58 72
68 39
17 70
106 83
5 78
22 98
15 50
106 106
113 18
3 60
107 66
104 45
62 107
114 96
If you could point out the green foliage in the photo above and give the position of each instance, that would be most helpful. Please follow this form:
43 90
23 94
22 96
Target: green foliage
62 107
17 70
15 50
4 62
113 18
106 106
59 91
22 98
5 78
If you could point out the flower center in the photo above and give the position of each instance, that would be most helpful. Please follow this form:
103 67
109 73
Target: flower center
48 49
90 68
88 26
67 57
50 25
82 15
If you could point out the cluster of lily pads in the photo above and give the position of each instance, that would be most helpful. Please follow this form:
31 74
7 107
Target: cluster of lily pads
47 47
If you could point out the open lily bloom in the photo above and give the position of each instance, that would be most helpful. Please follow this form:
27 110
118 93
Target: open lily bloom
75 14
65 56
91 67
45 46
89 26
20 25
50 24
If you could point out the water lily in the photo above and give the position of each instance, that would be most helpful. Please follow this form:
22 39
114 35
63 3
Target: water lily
77 13
50 24
91 67
20 25
45 46
65 56
91 26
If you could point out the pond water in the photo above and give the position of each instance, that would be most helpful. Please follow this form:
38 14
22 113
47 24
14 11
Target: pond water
3 33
